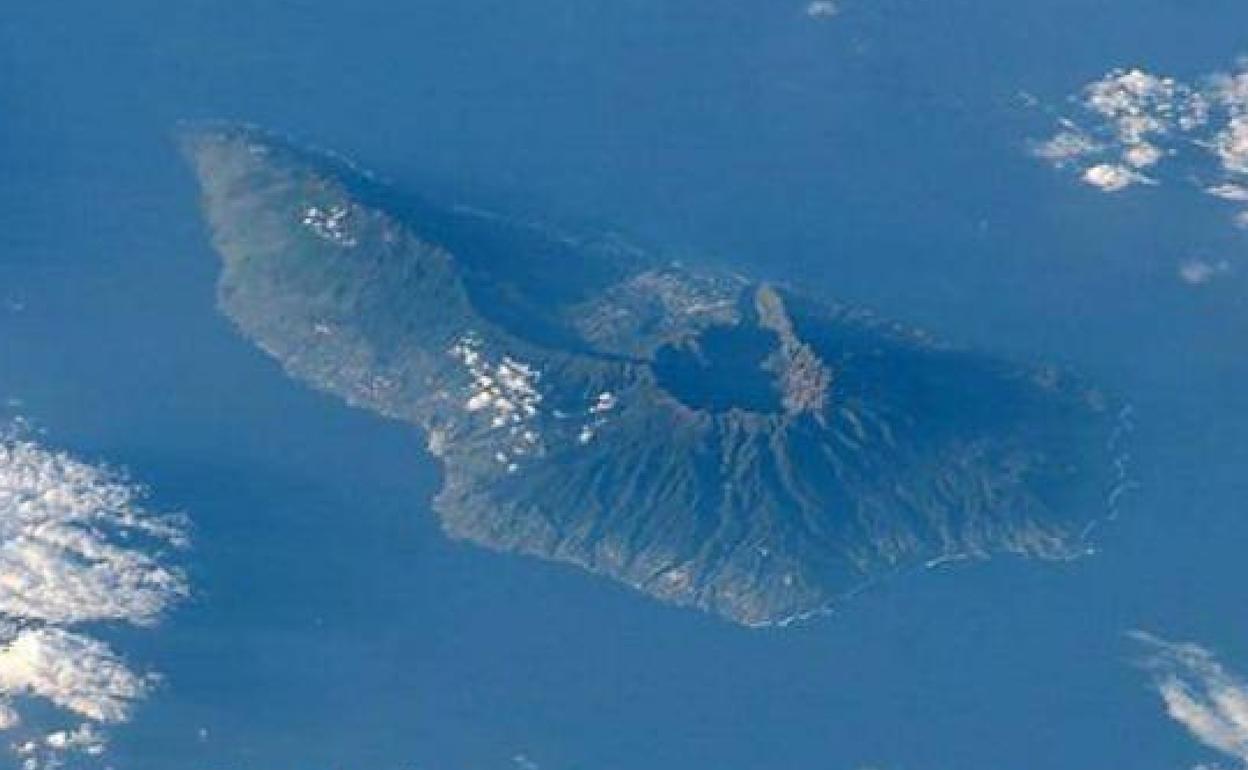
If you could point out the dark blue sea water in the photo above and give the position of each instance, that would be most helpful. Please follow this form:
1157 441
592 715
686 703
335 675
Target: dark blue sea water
878 157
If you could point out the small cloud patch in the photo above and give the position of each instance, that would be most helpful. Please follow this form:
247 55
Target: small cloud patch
1112 177
1199 271
822 9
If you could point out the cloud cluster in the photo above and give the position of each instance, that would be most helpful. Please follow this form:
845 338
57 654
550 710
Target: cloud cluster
1200 694
77 549
1134 127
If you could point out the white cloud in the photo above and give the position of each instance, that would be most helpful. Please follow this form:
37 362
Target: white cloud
1200 694
1131 120
504 390
62 525
77 546
523 762
48 752
1232 145
1200 271
822 9
72 671
1230 91
85 738
1112 177
1066 146
1229 192
1142 155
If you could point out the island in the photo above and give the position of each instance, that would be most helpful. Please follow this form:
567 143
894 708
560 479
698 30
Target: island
711 440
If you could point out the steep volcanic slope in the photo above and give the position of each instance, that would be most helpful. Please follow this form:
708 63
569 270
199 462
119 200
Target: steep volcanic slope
710 440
